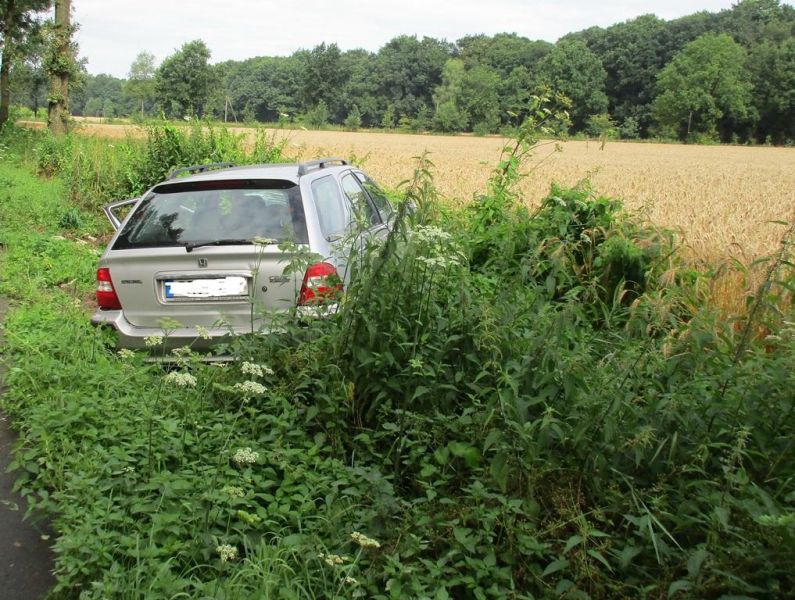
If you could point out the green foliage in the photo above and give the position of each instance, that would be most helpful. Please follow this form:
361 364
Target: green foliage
140 85
772 67
354 119
98 172
18 25
183 81
703 87
629 129
467 96
573 70
317 117
323 78
388 118
449 118
93 92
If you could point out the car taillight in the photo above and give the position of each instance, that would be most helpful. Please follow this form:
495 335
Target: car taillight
106 294
321 285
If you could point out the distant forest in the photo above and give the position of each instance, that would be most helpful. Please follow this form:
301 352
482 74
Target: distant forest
727 76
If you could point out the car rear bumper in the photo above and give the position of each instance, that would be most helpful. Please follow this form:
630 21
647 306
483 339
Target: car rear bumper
134 337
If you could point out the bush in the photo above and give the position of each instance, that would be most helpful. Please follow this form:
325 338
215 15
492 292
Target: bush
318 116
449 118
98 172
630 129
354 119
601 126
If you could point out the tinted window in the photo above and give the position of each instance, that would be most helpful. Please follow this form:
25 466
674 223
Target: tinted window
177 214
377 195
330 207
359 201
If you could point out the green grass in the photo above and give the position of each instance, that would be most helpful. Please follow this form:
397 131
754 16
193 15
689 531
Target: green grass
514 405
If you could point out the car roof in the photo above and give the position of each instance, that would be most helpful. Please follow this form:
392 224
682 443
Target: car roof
285 171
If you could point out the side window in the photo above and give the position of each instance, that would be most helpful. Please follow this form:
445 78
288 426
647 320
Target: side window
377 195
330 207
359 200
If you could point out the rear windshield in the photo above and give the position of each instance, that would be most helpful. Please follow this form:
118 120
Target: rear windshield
183 213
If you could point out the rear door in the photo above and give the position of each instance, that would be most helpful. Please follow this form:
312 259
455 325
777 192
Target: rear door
206 253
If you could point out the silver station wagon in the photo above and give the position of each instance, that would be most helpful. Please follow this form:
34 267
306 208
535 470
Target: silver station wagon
203 255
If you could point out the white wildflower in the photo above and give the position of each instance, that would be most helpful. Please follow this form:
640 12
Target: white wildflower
180 379
333 560
349 580
263 241
203 332
364 541
219 365
233 491
250 388
226 552
245 456
126 354
438 261
255 370
153 340
430 233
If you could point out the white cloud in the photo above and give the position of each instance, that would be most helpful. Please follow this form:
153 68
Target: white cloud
111 34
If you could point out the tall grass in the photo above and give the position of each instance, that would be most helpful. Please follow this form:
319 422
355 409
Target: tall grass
98 171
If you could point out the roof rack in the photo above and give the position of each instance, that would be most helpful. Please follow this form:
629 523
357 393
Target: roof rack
320 163
200 168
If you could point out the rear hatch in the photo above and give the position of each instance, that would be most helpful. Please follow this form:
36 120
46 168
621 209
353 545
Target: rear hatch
206 253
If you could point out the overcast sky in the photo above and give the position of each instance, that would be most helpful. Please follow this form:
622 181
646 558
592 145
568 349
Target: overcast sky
113 32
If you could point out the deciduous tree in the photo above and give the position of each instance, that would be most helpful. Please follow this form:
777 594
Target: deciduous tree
573 70
17 17
182 82
140 85
705 84
59 62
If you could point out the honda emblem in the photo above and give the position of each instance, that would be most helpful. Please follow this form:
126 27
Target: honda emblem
202 262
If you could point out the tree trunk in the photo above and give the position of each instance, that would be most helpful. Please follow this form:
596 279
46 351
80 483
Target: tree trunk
58 102
5 64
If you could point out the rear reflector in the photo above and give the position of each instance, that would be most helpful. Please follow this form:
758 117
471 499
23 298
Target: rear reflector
322 285
106 294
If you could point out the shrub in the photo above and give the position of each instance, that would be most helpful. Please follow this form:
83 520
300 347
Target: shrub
354 119
318 116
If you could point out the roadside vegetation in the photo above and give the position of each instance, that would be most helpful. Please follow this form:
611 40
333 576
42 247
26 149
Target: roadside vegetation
511 403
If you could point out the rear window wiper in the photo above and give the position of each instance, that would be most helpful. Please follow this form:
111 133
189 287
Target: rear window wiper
225 242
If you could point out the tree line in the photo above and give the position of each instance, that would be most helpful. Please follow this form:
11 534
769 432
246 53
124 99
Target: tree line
727 76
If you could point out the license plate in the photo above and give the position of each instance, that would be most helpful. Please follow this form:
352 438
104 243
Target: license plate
224 287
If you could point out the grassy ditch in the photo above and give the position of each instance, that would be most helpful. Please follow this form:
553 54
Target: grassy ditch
509 405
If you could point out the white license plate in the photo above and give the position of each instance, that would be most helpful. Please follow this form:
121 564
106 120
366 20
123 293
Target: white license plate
206 288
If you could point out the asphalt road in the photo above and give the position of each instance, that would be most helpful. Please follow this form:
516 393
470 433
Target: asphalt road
26 560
